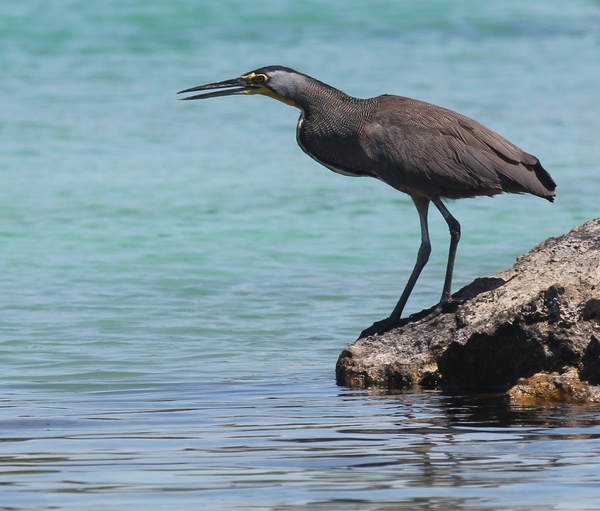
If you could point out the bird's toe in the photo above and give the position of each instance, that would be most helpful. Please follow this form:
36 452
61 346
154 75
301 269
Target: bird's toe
381 327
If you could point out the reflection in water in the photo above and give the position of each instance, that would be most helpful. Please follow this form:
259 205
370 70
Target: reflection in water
300 445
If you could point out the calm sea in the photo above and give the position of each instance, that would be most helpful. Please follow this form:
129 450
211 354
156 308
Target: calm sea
177 279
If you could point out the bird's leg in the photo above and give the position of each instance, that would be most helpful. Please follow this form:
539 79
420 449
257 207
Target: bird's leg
379 327
454 227
422 205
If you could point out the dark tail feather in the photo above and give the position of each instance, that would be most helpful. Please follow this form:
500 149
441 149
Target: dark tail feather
528 177
545 179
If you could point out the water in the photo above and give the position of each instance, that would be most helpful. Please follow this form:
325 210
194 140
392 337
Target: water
178 278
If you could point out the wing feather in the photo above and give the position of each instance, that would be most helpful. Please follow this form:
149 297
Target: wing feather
422 147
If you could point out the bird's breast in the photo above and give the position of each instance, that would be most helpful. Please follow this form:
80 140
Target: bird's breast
333 145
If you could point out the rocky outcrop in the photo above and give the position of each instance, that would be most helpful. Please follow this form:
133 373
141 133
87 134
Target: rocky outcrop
554 387
540 316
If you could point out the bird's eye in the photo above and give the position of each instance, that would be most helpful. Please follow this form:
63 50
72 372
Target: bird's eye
260 78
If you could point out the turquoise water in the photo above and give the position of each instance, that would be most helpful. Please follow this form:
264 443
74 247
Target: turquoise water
178 278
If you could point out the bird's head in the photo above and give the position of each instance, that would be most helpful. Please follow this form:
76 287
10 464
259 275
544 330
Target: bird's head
277 82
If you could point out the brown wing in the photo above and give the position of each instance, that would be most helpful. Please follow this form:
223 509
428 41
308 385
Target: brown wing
427 150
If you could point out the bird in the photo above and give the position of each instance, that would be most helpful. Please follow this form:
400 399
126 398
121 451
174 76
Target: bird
426 151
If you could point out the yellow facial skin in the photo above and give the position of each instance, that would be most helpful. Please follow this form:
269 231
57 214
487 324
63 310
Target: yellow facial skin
259 80
255 79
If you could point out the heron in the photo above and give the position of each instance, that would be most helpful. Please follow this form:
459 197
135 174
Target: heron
426 151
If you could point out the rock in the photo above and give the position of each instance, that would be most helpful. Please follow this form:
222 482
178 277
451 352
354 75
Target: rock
554 387
542 315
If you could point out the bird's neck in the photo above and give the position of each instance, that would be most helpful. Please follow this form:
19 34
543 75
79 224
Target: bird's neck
319 98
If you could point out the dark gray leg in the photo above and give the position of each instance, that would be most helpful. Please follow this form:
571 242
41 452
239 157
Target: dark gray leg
422 205
454 227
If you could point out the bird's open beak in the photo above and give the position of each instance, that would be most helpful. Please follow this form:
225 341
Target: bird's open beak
234 86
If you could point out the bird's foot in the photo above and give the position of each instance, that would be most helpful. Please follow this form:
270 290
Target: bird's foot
385 325
381 327
449 306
